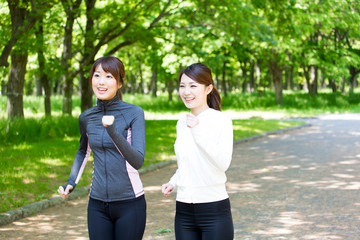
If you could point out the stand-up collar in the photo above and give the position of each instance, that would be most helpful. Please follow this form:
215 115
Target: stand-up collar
108 103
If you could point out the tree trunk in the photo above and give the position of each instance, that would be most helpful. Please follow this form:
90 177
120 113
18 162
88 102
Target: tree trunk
342 89
223 82
86 88
353 72
286 83
43 78
314 81
65 61
276 73
71 9
154 83
16 84
311 77
333 85
252 76
291 78
141 84
85 91
3 88
244 76
170 88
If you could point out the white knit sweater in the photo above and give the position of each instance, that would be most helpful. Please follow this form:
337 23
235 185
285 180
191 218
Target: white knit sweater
203 155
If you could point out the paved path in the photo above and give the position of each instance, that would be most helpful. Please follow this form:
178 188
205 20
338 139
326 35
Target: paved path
302 184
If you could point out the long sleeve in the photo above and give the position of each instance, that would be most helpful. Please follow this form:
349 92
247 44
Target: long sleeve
173 179
81 156
134 153
215 140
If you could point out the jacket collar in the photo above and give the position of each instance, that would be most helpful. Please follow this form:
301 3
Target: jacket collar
107 103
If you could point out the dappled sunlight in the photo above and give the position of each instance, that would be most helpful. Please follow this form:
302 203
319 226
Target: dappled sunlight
322 235
242 187
331 184
349 162
273 231
343 175
271 178
287 220
52 161
28 181
73 226
275 168
22 146
152 189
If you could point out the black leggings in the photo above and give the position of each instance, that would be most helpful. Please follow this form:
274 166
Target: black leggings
206 221
117 220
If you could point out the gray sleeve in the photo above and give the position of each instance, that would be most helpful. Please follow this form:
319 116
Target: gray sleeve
81 156
134 153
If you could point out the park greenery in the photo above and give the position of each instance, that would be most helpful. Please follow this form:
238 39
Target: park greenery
296 57
252 46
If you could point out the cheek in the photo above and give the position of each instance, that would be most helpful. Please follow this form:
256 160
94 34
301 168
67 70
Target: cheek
94 83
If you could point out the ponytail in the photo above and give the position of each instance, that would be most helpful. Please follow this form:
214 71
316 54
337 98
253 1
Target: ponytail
214 99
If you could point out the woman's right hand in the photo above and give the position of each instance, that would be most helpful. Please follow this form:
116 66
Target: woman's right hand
166 189
64 193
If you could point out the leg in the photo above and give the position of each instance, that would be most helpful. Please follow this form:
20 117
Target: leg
130 218
185 225
99 224
215 220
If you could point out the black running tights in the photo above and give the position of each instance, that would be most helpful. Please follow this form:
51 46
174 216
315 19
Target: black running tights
117 220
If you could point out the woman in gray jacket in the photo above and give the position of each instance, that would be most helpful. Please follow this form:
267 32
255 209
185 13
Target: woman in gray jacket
115 131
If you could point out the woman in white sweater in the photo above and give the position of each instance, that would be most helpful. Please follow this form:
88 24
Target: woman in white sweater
203 148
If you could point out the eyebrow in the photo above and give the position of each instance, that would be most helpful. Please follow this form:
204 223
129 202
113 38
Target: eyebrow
191 82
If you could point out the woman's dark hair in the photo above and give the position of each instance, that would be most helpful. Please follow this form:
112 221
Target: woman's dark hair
111 65
201 74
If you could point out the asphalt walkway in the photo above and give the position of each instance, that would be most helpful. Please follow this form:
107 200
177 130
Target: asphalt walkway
300 184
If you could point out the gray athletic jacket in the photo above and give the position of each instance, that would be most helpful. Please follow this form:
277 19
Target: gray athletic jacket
118 150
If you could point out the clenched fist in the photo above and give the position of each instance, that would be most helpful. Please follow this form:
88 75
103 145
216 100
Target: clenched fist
108 120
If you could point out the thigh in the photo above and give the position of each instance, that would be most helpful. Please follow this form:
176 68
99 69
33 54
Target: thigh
130 219
215 221
185 225
100 226
220 228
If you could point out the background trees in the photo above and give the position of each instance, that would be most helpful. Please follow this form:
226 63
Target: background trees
251 45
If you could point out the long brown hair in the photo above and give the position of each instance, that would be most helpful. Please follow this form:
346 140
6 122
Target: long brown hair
111 65
201 74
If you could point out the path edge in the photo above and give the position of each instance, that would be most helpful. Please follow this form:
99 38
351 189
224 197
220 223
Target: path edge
33 208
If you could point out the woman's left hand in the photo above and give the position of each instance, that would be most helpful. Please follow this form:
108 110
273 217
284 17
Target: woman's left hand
191 120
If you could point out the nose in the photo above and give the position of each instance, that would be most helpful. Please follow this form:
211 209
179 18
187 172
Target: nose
186 91
101 81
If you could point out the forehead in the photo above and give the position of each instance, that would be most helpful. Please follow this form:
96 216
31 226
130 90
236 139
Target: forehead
99 68
185 79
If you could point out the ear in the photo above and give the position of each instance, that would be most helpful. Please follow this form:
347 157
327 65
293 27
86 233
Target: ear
209 88
119 85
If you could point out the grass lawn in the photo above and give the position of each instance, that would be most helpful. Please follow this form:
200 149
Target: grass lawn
33 171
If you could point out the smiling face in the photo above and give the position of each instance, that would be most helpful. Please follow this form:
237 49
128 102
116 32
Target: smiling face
194 95
104 84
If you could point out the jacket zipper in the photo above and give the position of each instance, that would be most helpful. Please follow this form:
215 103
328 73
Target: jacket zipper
106 175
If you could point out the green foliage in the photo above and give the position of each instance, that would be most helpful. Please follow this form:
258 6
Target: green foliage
33 171
292 100
30 130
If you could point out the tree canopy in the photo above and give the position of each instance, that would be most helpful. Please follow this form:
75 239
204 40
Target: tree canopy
48 47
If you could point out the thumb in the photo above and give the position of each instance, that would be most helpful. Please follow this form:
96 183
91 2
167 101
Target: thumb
68 189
